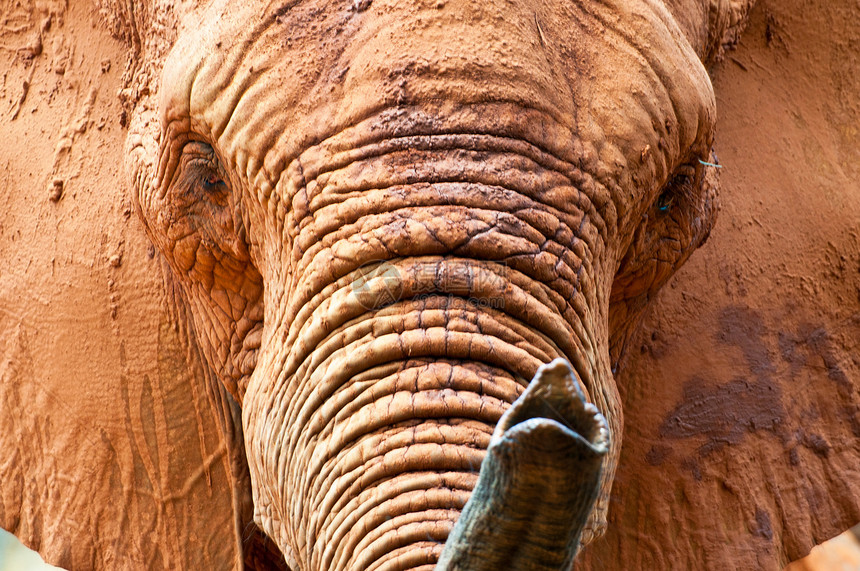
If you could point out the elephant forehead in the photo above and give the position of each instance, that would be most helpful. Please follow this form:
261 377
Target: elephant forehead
266 82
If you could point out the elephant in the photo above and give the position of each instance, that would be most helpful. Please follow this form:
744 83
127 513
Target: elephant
402 250
378 254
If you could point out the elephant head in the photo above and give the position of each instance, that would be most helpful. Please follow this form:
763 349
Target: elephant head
386 216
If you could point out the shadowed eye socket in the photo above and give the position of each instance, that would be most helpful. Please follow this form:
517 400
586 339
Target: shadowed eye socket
202 170
682 184
212 183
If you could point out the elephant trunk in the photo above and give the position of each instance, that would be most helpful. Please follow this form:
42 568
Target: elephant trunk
390 416
538 483
427 280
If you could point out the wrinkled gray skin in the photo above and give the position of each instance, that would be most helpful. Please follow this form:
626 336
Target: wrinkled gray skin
386 216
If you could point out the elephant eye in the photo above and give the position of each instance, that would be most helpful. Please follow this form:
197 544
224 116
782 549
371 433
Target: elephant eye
212 183
664 201
202 171
682 184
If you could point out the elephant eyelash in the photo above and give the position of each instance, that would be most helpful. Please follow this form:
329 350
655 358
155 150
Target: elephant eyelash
212 183
681 184
201 168
664 201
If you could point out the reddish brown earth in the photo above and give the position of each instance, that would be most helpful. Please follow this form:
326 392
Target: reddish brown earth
742 426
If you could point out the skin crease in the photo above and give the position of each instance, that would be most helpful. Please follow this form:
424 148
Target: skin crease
554 161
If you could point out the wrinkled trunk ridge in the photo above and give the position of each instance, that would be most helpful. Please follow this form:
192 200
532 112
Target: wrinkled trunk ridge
431 275
397 407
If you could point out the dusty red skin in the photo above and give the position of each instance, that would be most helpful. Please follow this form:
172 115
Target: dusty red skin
384 219
89 238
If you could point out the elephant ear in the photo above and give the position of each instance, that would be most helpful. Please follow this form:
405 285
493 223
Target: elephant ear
149 30
678 222
711 26
726 20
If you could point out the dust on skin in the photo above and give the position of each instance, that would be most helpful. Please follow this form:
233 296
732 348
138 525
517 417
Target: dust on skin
762 526
725 413
813 346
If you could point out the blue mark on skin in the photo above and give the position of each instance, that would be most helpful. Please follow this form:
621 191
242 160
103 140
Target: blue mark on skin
710 164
